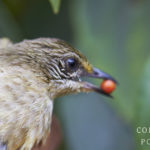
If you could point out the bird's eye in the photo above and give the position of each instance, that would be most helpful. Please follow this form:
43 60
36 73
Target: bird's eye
72 64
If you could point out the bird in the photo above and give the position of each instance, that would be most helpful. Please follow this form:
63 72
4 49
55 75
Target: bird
33 73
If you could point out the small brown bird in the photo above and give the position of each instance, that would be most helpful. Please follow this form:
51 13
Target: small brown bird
32 74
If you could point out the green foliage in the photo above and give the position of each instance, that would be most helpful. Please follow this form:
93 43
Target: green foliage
8 27
145 96
55 5
143 110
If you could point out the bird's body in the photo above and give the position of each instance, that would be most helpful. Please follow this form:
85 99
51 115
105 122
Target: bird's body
25 108
32 74
25 105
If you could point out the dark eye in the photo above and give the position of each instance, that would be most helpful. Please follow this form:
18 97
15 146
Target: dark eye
72 64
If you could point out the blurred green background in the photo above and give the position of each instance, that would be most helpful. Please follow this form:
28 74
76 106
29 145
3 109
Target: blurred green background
115 37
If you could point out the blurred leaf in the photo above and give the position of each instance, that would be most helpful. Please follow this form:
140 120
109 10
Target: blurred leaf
8 25
145 94
144 103
55 5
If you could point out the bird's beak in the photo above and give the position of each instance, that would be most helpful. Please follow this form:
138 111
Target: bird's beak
96 73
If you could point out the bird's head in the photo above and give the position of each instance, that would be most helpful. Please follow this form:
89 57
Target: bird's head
63 65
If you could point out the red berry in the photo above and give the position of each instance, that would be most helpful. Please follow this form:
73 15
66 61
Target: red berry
108 86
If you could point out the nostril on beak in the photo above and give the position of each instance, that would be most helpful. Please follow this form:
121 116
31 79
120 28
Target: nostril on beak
95 73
